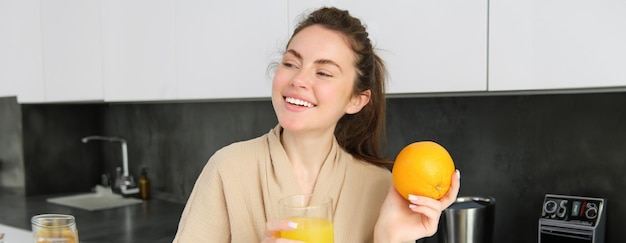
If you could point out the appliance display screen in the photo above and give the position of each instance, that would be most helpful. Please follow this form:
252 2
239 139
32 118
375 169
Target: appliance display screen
583 211
576 208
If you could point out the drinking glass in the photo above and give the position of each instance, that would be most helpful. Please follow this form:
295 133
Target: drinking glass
313 216
54 228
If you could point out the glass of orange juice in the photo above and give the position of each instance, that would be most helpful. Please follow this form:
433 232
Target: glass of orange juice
53 228
313 215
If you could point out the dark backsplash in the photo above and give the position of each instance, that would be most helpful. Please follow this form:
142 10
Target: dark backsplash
12 176
55 160
514 148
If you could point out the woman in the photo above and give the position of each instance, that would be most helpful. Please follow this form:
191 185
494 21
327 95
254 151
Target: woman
328 96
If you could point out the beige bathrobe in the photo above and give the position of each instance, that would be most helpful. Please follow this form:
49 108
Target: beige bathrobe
239 188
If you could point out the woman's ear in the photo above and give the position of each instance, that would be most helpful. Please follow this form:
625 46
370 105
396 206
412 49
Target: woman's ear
357 102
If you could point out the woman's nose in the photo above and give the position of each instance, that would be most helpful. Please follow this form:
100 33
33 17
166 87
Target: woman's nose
301 79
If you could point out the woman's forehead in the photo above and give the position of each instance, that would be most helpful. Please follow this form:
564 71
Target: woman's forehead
317 42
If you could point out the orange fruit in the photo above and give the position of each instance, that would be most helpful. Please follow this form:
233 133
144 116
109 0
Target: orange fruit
423 168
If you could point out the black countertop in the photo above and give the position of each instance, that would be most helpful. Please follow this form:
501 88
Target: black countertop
153 220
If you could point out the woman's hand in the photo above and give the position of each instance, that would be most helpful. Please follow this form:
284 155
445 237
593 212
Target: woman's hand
401 220
273 229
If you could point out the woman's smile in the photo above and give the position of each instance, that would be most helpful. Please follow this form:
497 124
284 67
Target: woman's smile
298 102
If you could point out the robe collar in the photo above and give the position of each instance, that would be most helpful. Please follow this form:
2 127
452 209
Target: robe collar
282 181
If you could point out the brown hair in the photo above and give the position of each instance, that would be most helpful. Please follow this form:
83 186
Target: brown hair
361 134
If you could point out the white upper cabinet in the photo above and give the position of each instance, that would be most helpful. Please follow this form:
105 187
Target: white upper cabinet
224 48
160 50
72 50
558 44
428 46
21 68
139 60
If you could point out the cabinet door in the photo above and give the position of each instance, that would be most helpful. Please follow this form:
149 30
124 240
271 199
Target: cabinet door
72 50
224 47
138 50
21 69
428 46
559 44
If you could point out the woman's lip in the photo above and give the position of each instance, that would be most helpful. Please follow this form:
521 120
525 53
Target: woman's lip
299 99
294 107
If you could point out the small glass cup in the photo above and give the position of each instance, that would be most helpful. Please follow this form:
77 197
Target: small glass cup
54 228
313 216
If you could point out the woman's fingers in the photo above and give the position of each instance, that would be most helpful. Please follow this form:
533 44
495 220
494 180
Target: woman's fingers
425 211
432 208
427 206
426 201
453 192
273 229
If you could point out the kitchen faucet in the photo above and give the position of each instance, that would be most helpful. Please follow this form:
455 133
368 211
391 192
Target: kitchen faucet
127 179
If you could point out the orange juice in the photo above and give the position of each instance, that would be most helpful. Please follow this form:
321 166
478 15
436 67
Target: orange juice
310 230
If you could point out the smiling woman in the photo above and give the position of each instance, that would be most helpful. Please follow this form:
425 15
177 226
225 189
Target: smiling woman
328 95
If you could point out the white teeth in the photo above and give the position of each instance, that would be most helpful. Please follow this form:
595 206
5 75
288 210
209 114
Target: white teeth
298 102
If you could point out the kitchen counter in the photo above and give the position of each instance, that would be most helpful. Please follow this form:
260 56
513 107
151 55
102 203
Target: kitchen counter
151 221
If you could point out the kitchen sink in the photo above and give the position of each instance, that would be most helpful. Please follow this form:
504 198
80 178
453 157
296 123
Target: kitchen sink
102 198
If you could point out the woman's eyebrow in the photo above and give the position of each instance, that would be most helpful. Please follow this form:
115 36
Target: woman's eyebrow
320 61
330 62
295 53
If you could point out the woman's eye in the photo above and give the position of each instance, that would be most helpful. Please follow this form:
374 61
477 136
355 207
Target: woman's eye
324 74
289 65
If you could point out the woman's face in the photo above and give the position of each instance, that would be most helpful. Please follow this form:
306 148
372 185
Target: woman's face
313 84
